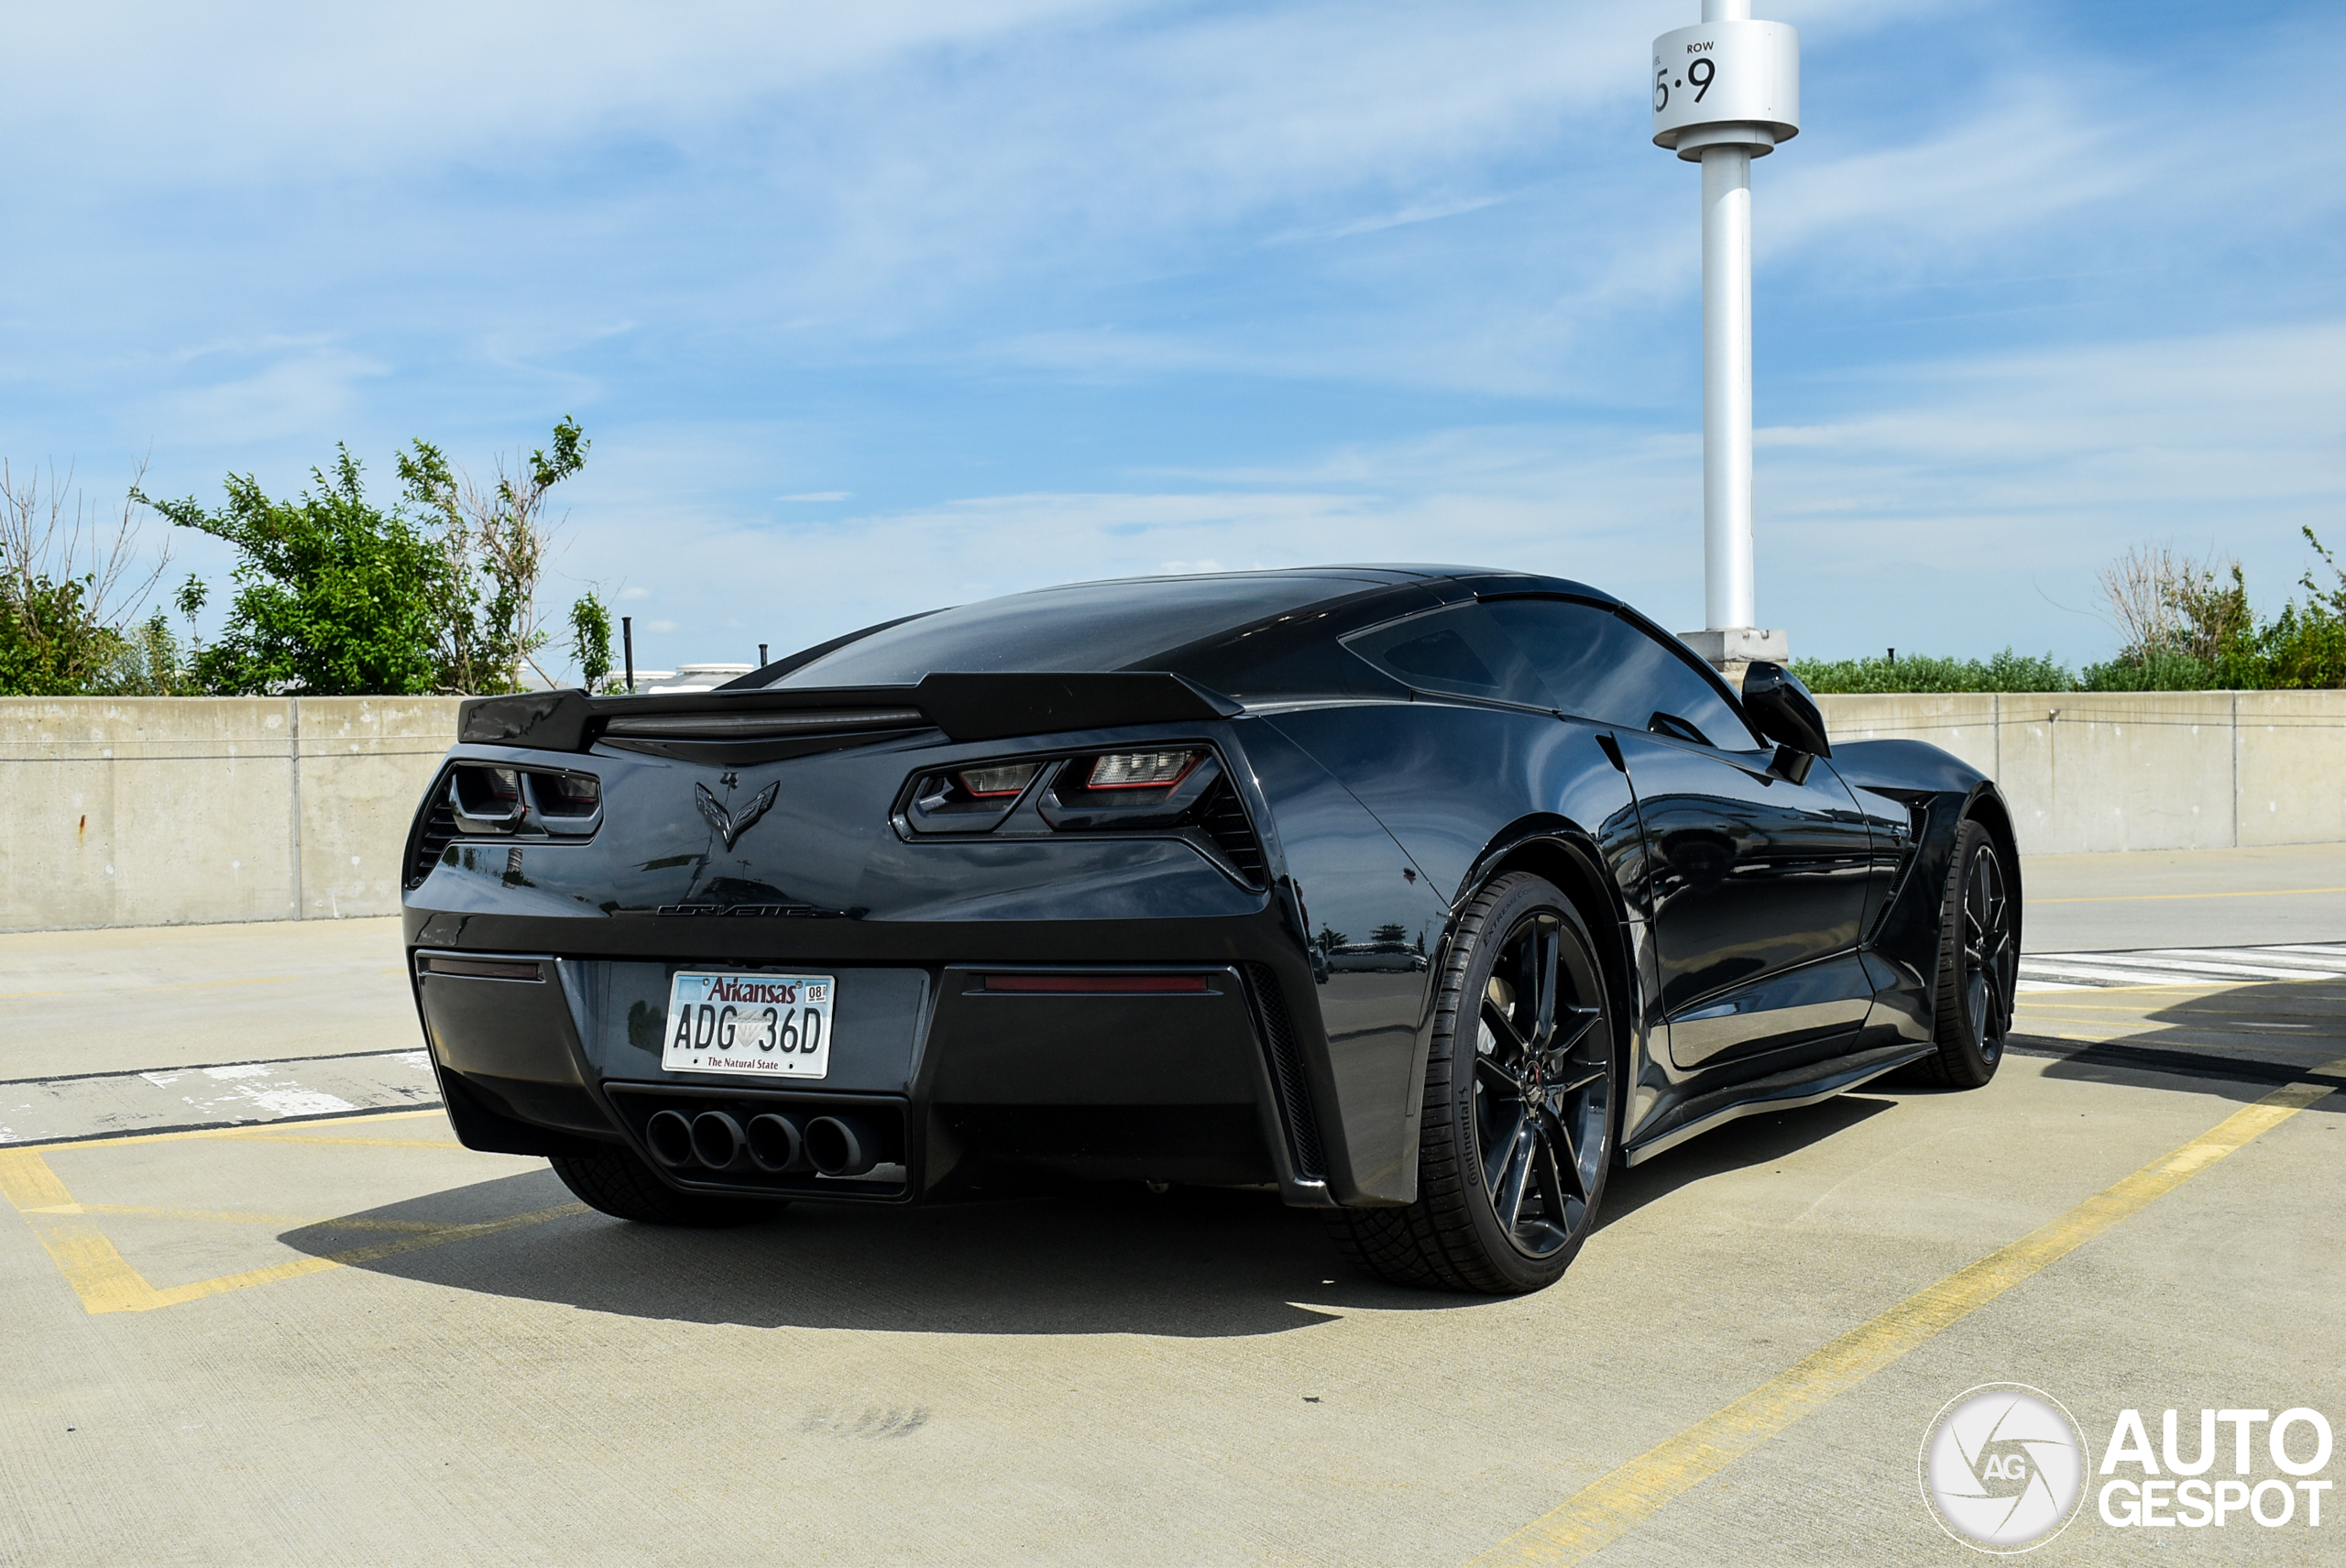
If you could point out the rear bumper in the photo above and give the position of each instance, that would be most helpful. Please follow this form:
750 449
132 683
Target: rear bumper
971 1088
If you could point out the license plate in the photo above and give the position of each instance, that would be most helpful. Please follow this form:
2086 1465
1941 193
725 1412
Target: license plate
762 1026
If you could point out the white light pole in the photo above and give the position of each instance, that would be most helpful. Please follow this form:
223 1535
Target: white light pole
1726 92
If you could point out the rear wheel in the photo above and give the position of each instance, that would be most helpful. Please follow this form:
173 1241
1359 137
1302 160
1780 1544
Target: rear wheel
1517 1129
616 1181
1978 964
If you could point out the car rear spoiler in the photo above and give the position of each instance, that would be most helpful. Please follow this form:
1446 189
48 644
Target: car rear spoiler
965 707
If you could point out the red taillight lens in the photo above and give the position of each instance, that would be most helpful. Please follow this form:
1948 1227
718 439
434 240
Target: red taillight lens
568 795
993 784
486 800
1140 770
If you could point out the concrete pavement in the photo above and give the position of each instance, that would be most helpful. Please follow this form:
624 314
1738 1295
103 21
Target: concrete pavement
2185 898
350 1341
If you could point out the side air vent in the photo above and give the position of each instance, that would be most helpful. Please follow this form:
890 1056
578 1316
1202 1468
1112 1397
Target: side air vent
1287 1074
766 736
433 833
1224 821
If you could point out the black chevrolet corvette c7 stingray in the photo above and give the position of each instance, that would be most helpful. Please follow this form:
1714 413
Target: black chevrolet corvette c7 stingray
1421 894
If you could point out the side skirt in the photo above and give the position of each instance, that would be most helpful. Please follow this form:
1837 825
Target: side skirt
1784 1092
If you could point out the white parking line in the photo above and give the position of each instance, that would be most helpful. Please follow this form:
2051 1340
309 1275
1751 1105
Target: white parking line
64 1109
2069 971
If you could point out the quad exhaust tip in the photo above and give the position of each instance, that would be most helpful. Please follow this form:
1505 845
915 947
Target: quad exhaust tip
774 1143
670 1134
719 1141
843 1145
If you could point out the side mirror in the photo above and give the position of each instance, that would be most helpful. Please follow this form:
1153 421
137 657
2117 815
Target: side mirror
1783 709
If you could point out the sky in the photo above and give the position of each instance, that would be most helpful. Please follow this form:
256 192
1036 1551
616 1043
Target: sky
870 309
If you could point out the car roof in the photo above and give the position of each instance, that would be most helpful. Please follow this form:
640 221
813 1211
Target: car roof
1128 622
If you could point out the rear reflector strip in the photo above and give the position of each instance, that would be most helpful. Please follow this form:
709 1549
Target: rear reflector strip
1097 984
483 969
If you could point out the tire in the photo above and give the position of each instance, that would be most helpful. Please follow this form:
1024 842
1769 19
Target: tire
1979 965
1517 1135
617 1182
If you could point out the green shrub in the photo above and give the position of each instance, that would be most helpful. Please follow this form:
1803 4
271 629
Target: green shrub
2007 672
338 595
334 596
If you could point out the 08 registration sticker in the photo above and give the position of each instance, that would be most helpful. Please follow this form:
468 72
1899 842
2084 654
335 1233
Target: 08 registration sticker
763 1026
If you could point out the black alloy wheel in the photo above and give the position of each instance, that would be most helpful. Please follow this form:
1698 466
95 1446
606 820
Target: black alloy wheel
1978 964
1518 1130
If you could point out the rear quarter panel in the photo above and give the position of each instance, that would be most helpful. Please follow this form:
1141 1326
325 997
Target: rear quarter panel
1916 796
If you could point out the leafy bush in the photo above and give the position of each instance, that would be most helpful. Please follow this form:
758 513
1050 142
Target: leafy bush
71 593
336 595
2163 670
2191 628
590 640
2007 672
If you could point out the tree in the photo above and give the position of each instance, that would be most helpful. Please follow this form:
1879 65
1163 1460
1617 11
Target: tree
495 541
335 597
71 591
590 638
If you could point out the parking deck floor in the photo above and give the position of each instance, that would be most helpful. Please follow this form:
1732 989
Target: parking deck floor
302 1339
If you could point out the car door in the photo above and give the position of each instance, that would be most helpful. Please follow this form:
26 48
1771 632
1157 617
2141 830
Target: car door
1757 883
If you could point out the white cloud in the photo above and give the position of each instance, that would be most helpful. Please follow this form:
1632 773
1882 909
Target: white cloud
1153 284
296 394
1973 492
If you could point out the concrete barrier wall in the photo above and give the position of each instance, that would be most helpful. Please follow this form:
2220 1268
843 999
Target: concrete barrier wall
161 811
2088 770
157 811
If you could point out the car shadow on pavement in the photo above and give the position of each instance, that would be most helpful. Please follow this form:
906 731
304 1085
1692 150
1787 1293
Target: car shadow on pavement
1188 1263
1754 1140
2240 1044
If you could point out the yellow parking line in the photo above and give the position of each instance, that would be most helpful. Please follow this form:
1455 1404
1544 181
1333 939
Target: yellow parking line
26 1182
165 985
2196 987
2213 1002
106 1282
232 1217
1607 1508
261 1135
2155 897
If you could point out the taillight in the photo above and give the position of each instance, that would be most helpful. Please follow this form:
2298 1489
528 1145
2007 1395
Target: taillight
996 782
566 794
1140 770
486 800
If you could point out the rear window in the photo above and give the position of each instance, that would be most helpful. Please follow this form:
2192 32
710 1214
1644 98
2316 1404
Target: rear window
1086 626
1454 650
